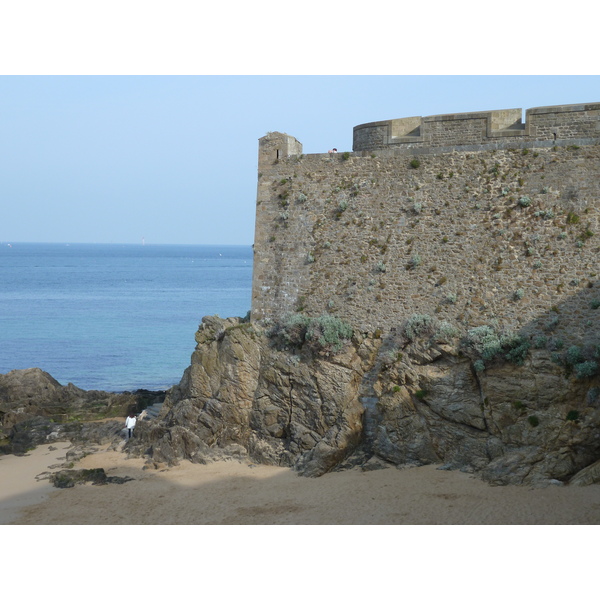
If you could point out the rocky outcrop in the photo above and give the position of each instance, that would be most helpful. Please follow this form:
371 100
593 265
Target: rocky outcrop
513 424
406 400
37 409
68 478
317 397
35 431
244 396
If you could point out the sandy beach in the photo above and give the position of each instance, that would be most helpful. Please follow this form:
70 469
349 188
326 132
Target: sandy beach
337 560
233 493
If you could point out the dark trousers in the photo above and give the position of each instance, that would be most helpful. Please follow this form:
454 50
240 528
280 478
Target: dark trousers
130 432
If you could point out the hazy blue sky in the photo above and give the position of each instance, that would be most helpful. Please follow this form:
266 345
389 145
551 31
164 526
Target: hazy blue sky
173 159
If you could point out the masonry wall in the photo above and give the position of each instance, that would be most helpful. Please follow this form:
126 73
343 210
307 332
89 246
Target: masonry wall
507 236
498 128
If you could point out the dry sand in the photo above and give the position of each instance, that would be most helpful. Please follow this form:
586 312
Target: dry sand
63 562
232 493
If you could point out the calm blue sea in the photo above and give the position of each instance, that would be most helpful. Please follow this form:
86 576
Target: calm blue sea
114 317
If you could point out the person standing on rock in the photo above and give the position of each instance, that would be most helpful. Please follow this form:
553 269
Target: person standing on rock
130 422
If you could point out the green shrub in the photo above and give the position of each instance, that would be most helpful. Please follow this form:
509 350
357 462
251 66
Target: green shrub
524 201
328 333
533 421
586 369
516 350
545 214
323 334
419 325
420 394
573 355
414 262
572 218
293 329
484 341
415 163
445 331
573 415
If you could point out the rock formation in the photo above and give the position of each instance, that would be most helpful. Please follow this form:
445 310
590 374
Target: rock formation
286 396
313 395
37 409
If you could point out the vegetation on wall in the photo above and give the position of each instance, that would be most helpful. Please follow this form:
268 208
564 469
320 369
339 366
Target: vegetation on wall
325 334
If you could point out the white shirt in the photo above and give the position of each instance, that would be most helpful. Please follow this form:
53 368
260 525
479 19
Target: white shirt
130 422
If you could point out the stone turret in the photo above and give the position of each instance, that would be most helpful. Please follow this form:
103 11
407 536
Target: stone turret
275 146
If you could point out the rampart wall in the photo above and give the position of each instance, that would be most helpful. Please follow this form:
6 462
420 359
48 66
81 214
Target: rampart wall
480 130
492 235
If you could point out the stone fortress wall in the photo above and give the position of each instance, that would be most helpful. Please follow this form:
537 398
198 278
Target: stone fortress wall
476 218
481 130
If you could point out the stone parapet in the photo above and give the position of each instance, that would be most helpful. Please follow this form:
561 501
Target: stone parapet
454 131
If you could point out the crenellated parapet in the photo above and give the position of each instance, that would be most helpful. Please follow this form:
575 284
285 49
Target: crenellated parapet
482 130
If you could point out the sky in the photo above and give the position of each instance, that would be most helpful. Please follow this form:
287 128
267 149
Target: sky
172 159
131 120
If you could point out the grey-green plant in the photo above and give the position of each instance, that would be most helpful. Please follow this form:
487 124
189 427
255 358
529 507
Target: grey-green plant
516 350
419 325
573 355
445 331
479 365
293 329
545 214
524 201
586 369
518 294
486 343
556 344
326 333
414 262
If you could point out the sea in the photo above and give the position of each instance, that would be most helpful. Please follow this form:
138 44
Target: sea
115 317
